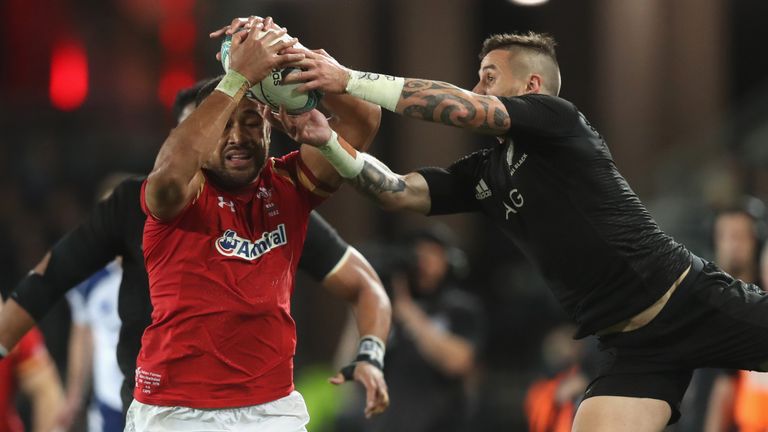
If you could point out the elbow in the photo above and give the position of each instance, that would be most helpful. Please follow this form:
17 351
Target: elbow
459 365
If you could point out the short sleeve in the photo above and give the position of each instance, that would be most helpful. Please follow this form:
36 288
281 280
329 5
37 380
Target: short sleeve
452 189
323 248
543 115
311 190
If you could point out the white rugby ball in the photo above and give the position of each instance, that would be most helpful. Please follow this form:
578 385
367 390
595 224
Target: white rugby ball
271 90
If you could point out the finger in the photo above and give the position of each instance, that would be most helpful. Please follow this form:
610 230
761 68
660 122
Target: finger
303 64
287 59
217 33
300 76
236 24
239 38
370 396
269 38
218 55
268 22
337 379
283 44
286 120
309 86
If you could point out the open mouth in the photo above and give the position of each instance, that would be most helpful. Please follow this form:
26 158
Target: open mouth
238 157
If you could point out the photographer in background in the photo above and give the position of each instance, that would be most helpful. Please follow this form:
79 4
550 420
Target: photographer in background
437 336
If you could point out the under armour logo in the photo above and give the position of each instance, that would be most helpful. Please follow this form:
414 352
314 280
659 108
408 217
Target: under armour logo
223 203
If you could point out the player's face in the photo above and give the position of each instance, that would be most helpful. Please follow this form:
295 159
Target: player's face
242 148
735 242
501 74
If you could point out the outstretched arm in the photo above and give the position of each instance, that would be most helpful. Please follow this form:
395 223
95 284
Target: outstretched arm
428 100
364 172
354 280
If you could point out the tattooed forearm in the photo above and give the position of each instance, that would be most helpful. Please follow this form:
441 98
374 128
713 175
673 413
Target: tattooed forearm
377 181
445 103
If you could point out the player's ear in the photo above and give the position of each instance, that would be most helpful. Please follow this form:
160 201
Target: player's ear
534 84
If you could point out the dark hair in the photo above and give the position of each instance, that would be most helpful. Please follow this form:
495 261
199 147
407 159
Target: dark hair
538 42
206 89
185 97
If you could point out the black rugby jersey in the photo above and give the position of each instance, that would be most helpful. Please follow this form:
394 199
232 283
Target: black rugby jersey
114 228
552 187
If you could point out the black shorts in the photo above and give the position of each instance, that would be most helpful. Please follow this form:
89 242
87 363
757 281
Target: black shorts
711 320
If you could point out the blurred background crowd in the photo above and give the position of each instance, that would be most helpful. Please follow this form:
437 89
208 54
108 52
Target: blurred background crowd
678 89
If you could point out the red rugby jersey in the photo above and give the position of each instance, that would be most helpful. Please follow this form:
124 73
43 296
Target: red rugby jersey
221 275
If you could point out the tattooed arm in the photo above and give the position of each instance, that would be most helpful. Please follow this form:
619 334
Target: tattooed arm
433 101
389 190
445 103
364 172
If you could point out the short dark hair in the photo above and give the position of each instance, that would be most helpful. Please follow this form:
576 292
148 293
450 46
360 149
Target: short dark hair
539 42
186 96
541 45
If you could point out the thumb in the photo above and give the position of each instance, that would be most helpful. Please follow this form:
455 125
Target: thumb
336 379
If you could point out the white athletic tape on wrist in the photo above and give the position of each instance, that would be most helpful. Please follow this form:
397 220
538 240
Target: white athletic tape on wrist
3 351
383 90
371 349
233 84
346 165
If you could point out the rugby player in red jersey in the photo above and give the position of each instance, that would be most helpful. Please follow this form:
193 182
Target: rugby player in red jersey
223 237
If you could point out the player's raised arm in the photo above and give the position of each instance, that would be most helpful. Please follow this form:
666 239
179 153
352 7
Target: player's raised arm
428 100
366 173
176 176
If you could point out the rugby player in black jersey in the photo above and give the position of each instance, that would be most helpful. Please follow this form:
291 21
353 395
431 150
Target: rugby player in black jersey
114 228
552 187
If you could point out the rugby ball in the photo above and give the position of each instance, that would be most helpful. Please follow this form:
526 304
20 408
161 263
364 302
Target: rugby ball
271 91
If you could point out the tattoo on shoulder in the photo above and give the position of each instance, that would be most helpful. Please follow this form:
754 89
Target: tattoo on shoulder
376 178
445 103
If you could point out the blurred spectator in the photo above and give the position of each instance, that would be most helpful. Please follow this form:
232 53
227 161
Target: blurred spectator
93 343
749 388
550 403
437 334
29 367
736 235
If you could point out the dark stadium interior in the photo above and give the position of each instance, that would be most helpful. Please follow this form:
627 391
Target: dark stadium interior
679 89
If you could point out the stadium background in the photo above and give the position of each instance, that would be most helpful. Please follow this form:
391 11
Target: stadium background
679 90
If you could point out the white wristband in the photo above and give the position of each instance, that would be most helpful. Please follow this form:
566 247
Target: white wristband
383 90
346 165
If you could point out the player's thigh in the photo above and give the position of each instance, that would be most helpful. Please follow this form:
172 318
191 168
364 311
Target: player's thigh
620 413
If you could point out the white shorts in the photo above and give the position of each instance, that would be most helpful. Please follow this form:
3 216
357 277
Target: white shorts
288 414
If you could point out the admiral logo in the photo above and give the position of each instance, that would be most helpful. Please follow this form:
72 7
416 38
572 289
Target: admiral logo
230 244
482 191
